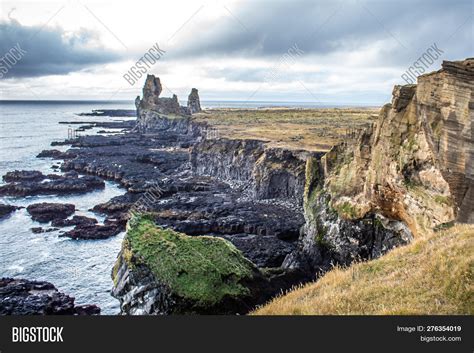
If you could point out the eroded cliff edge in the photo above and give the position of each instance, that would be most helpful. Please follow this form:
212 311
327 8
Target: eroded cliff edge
410 173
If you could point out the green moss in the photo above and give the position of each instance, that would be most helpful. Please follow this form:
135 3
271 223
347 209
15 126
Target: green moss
444 226
320 239
410 184
204 269
313 179
346 209
378 223
443 200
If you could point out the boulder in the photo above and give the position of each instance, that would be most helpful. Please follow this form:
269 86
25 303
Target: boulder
74 221
23 175
402 95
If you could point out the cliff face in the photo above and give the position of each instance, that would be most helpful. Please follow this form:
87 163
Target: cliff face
409 173
260 172
445 105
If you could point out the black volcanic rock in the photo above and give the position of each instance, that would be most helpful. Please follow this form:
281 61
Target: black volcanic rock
23 176
56 154
74 221
263 251
38 230
46 212
29 183
6 210
110 113
25 297
93 231
151 90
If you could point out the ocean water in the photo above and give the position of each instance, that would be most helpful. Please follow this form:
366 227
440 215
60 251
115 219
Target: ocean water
79 268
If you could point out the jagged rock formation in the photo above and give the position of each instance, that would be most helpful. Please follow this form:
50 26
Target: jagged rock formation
152 101
194 104
151 91
406 175
6 210
154 111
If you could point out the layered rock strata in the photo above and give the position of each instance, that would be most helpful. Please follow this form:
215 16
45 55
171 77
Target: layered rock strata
408 174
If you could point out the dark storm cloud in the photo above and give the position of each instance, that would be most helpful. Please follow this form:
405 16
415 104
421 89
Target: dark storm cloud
50 51
320 27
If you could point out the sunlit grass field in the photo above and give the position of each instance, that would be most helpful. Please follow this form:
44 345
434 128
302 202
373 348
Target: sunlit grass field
309 129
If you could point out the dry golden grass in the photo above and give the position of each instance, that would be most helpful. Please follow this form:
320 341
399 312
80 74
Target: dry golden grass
310 129
432 275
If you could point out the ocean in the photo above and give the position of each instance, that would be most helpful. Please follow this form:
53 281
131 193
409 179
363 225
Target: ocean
78 268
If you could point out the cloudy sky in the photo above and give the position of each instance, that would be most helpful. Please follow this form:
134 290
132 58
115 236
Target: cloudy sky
347 52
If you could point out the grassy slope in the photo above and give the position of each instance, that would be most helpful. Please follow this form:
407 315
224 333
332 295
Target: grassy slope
432 275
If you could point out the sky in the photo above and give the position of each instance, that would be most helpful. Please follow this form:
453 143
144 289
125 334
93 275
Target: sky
342 52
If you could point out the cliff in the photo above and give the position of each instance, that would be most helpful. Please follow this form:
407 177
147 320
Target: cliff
261 172
400 181
445 106
406 175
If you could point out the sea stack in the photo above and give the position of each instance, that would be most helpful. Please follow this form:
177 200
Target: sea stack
151 90
194 105
152 101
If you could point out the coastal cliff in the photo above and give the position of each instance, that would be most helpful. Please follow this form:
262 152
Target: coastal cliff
408 174
262 172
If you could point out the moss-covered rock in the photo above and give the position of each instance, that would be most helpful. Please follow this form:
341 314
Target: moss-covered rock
160 271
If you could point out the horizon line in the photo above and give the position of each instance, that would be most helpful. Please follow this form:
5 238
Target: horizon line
210 100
